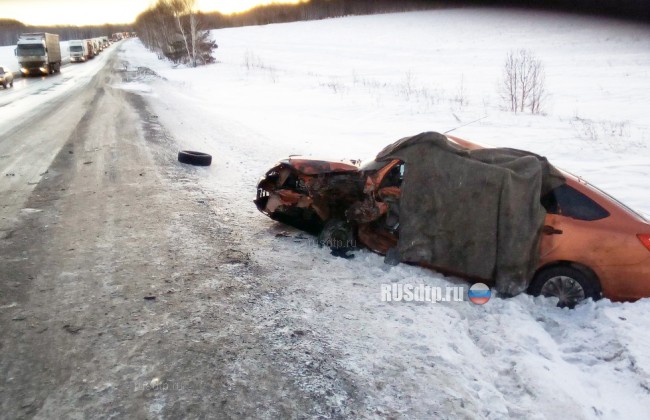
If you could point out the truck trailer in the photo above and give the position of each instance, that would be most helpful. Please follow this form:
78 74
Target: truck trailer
91 48
38 53
95 44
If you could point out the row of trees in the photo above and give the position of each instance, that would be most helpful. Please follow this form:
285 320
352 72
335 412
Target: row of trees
630 9
176 30
10 30
322 9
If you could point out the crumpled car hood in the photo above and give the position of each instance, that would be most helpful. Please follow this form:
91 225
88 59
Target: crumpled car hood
310 166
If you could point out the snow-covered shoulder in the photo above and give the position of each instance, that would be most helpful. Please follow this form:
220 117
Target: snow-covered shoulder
344 88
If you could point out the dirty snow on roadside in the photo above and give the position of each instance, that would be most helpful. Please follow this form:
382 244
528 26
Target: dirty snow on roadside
345 88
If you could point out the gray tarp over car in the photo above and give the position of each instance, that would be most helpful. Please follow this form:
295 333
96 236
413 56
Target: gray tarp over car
472 212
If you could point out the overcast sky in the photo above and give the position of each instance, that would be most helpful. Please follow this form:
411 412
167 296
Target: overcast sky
94 12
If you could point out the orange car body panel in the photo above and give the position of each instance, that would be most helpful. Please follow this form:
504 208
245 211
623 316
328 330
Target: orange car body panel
609 247
315 167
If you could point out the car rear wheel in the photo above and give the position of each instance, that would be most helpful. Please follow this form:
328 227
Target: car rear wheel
569 284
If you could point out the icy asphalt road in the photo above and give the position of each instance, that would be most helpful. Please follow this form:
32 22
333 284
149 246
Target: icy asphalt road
103 238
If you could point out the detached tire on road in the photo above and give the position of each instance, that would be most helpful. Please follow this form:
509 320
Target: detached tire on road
194 158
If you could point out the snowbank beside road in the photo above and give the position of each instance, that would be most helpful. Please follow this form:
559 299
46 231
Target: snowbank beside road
7 58
346 88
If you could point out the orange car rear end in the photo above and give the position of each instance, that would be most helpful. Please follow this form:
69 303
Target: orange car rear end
602 235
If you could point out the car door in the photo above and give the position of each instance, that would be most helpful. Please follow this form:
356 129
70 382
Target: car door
573 228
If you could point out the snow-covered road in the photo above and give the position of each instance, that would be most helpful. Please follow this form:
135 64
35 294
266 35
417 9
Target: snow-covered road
347 87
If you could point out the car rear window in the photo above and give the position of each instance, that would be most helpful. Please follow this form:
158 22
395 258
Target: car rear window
570 202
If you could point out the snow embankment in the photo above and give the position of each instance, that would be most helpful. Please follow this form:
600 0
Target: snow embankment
347 87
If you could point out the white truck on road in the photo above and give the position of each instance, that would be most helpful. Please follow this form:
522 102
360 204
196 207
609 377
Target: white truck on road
78 50
38 53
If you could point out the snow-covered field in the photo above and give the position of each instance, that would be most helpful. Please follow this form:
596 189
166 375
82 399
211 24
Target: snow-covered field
347 87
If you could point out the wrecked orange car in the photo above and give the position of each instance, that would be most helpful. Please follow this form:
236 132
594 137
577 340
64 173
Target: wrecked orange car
573 241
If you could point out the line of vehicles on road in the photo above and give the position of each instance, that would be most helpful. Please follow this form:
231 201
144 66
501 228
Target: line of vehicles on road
39 53
82 50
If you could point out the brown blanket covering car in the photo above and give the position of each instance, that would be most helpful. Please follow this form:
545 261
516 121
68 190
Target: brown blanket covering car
472 212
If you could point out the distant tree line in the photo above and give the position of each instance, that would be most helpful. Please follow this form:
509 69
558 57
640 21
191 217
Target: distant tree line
10 30
319 9
638 10
323 9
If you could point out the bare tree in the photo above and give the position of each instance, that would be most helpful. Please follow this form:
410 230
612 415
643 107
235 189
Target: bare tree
537 91
510 83
162 26
523 82
180 9
194 34
173 28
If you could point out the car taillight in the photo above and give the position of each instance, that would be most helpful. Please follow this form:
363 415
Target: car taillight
645 239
